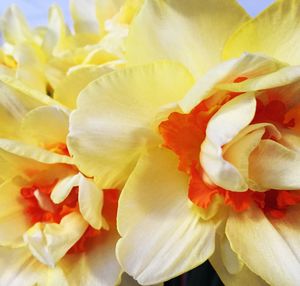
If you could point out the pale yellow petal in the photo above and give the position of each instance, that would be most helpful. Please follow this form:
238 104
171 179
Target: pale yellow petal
69 88
19 267
90 199
192 32
14 26
248 65
273 166
45 126
63 188
221 129
56 277
274 32
106 143
281 77
84 16
162 234
12 214
268 252
32 152
244 277
98 266
49 242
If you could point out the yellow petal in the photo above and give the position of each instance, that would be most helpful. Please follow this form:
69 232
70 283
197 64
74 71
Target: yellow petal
56 30
269 35
12 215
192 32
18 266
14 27
162 219
49 242
45 125
247 65
69 88
30 68
84 16
32 152
98 266
63 188
56 276
106 143
273 166
263 247
221 129
243 277
90 199
281 77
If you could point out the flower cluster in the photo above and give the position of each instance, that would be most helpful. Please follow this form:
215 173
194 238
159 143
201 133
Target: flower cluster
151 137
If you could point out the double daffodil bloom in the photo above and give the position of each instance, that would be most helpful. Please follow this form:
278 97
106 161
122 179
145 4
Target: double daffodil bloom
207 151
57 226
46 55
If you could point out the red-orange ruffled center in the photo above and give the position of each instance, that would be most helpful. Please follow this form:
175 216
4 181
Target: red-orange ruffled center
184 134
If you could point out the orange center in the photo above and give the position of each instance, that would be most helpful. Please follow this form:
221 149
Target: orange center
184 134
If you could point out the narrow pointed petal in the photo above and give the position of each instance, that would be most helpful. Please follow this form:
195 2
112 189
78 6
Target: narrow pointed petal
175 244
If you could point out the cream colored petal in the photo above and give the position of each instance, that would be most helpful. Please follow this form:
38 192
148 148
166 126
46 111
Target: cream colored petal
273 166
19 267
30 68
49 242
248 65
239 152
281 77
106 143
162 234
290 139
13 220
84 16
185 31
244 277
273 32
90 199
45 126
98 266
32 152
69 88
221 129
14 26
56 30
268 252
56 277
63 188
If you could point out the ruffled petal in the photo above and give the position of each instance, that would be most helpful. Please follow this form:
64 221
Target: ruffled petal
273 166
154 34
262 246
231 118
49 242
106 143
175 244
274 32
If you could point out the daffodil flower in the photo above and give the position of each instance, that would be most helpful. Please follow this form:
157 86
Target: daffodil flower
207 151
57 226
44 56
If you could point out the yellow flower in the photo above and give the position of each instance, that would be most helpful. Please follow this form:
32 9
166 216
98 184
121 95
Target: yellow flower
57 226
45 56
207 151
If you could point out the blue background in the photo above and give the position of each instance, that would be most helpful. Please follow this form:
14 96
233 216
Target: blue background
36 11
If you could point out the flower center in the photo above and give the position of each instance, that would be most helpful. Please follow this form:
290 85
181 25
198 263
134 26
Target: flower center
184 134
